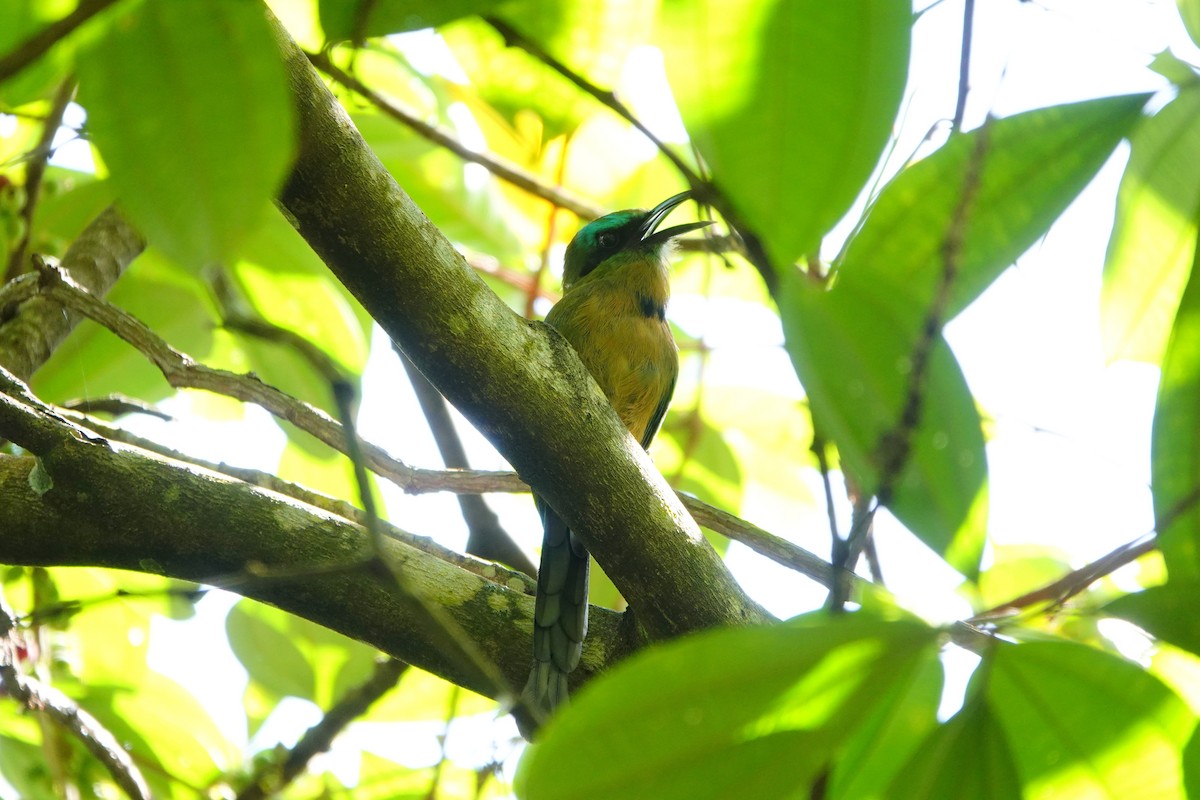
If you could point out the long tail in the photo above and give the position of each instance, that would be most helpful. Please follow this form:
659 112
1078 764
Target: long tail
561 614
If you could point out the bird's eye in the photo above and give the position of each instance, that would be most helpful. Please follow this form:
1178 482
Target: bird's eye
607 239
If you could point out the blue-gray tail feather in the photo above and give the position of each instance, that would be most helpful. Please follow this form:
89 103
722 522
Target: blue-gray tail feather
560 614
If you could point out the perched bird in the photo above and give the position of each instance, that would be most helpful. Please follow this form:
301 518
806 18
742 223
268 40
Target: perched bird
614 313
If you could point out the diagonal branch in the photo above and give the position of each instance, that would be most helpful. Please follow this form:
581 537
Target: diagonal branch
508 376
895 445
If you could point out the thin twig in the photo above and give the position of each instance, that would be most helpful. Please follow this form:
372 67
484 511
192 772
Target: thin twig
1058 592
117 405
1061 590
32 48
964 64
60 709
35 171
521 178
271 778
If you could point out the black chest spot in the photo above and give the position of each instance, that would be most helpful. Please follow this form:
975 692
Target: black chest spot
650 308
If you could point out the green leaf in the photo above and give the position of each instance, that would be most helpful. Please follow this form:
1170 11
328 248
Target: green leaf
366 18
1175 455
1174 69
848 348
166 730
1084 723
790 102
270 657
1166 612
591 37
883 743
1154 232
711 471
1191 765
1030 167
287 285
291 656
70 201
1190 11
755 712
967 757
189 105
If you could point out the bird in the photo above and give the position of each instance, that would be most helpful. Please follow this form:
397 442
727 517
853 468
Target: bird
613 312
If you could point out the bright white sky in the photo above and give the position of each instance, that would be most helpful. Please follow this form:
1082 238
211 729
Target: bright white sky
1069 454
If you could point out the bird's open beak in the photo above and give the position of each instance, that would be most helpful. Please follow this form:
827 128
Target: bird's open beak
648 233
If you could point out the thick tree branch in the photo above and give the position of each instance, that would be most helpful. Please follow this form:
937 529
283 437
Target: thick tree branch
512 378
80 500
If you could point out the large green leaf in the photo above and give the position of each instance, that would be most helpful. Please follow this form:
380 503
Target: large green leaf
790 102
967 757
849 349
1154 233
883 743
1029 167
1084 723
756 712
189 105
1175 450
288 285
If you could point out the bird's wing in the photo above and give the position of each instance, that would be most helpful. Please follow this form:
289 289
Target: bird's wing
660 412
